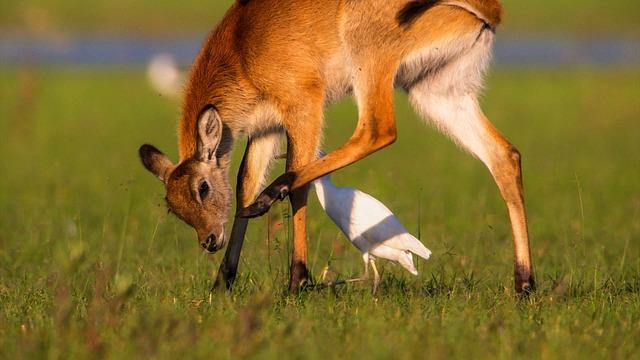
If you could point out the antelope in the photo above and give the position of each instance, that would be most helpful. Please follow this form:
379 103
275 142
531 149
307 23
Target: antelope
269 69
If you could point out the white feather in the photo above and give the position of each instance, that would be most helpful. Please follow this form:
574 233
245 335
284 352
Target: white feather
369 224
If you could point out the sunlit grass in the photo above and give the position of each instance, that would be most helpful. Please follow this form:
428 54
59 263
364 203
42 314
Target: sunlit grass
91 264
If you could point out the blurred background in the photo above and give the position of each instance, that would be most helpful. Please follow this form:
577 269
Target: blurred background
90 263
118 33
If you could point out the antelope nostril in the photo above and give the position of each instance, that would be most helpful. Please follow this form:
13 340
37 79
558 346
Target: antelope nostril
210 243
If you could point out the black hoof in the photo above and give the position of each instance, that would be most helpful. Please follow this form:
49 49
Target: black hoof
525 284
260 207
278 190
224 280
300 279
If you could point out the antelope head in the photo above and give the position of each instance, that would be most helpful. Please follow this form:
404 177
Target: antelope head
197 189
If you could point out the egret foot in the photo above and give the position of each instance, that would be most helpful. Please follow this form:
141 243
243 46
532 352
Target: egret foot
329 284
324 273
365 276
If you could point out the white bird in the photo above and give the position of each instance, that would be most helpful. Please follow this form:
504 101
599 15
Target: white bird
370 226
165 76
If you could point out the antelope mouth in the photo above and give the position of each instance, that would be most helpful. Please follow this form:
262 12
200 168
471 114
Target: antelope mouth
214 243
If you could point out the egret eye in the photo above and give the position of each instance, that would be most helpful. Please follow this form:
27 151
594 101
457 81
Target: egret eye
203 190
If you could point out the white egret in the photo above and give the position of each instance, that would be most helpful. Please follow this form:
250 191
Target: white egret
370 226
165 76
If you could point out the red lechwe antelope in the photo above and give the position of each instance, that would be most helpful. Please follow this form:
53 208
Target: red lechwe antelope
272 66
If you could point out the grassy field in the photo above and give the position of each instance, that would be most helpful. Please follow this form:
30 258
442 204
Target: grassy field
588 18
91 264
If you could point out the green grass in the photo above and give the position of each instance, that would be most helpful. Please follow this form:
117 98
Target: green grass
588 18
91 264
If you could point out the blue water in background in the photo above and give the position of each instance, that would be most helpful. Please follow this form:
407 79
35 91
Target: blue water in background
522 51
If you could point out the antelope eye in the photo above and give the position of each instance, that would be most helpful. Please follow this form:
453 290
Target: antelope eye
203 190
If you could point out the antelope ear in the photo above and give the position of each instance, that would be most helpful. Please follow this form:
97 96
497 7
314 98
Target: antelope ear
209 134
156 162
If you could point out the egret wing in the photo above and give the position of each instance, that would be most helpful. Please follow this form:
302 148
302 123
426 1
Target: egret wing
377 224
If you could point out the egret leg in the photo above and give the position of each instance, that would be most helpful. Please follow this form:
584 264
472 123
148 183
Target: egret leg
376 277
365 276
324 273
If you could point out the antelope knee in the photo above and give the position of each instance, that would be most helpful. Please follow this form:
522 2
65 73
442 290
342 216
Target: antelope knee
514 157
381 138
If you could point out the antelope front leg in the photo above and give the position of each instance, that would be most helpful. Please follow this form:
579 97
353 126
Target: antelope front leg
253 170
375 130
229 265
